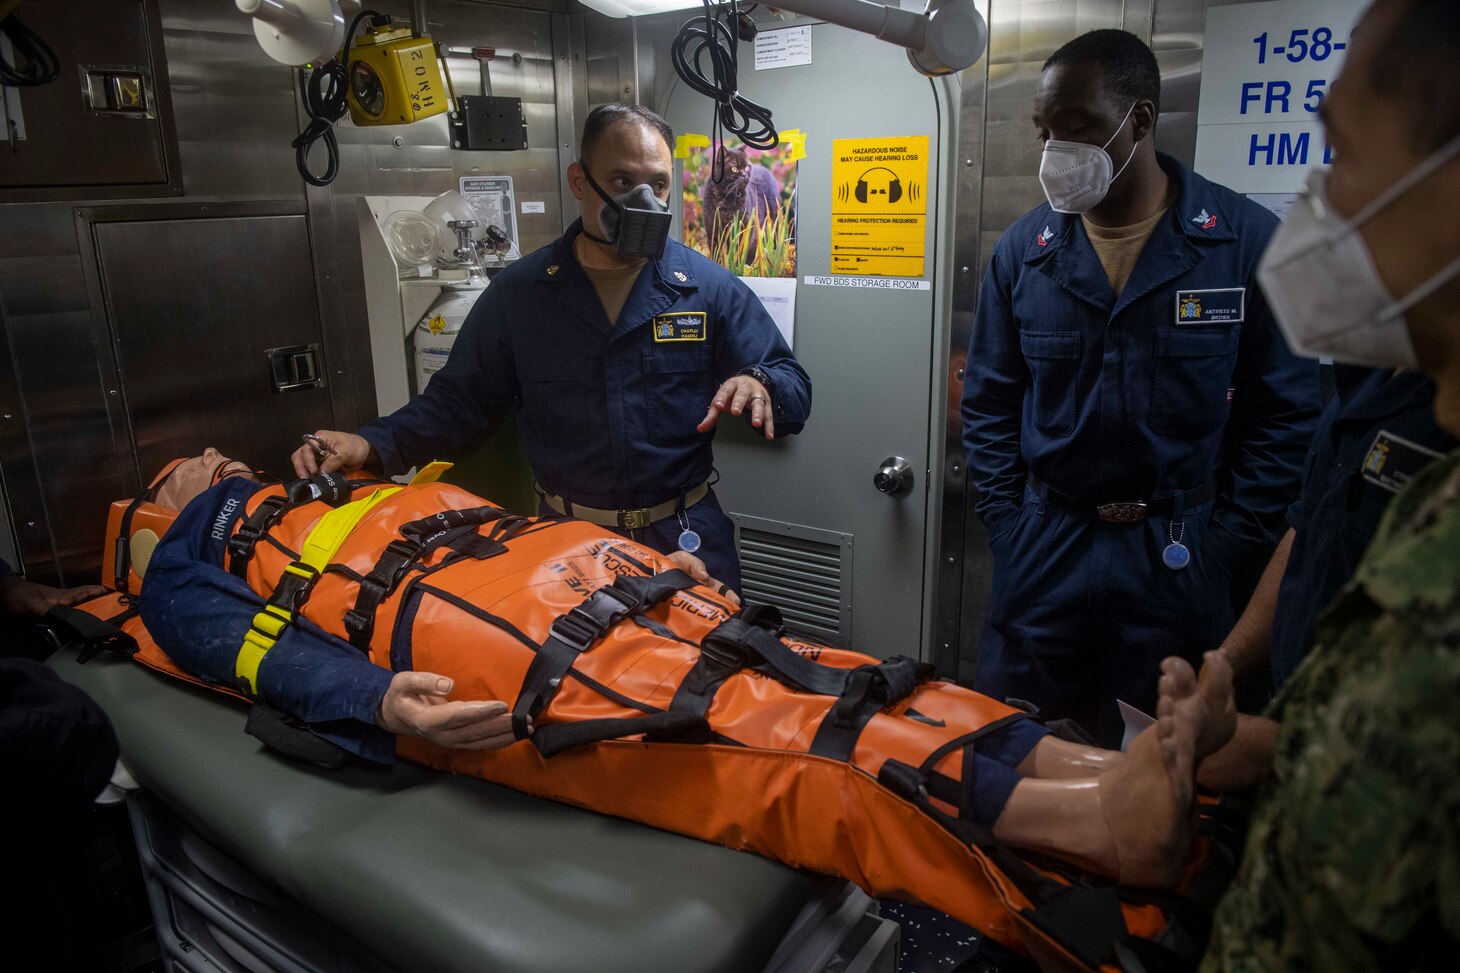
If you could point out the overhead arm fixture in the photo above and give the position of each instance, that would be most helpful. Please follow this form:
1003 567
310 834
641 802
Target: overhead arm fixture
945 38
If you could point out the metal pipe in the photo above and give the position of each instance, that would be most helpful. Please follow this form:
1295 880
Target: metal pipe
418 18
892 24
277 13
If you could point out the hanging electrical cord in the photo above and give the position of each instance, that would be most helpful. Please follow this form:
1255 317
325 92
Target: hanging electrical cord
323 94
709 37
35 62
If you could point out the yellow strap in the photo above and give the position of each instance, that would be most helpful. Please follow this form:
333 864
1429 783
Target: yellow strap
430 473
319 547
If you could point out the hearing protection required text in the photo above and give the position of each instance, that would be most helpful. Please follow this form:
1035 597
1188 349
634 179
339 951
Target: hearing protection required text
879 208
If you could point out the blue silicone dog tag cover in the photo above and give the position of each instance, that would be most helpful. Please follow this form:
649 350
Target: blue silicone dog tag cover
1176 556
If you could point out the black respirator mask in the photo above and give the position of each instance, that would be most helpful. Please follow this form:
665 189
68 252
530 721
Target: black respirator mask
636 223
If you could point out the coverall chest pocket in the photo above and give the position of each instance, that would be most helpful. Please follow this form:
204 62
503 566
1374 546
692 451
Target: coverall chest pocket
678 384
1193 371
1053 358
557 394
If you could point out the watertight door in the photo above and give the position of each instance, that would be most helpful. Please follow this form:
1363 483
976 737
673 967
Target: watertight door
847 562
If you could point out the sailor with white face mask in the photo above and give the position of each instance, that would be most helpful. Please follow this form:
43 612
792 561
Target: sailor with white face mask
1134 421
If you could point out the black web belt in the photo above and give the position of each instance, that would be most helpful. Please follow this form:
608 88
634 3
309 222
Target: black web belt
1127 511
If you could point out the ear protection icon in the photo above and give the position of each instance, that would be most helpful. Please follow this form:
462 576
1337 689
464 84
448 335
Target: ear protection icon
894 186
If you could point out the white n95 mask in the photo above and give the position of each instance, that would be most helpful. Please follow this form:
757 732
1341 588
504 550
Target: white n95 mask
1323 286
1076 175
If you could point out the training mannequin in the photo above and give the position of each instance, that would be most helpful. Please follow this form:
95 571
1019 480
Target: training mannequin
1123 815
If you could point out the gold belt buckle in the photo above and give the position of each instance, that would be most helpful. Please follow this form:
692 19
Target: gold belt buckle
1123 512
634 519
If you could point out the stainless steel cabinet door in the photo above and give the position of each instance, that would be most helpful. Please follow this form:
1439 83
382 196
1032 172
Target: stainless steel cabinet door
194 306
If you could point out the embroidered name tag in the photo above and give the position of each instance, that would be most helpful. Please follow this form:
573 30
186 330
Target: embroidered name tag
1219 305
1392 461
683 326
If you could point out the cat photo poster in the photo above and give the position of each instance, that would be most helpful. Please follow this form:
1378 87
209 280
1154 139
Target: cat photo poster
745 220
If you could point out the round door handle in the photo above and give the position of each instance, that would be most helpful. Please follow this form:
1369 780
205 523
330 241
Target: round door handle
894 477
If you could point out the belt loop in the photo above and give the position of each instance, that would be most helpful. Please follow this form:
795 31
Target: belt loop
1178 504
1041 496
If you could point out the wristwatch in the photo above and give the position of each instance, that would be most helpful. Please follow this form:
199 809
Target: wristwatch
763 377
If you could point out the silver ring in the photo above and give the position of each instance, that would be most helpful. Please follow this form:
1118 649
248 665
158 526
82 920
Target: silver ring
754 397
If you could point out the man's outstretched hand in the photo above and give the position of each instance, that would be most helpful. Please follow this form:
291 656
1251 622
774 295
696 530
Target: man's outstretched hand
416 705
350 453
739 393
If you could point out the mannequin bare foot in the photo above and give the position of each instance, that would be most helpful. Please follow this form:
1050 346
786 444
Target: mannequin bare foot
1202 707
1148 803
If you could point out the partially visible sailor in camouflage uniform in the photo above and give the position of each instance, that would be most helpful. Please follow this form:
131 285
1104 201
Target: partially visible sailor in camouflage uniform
1353 860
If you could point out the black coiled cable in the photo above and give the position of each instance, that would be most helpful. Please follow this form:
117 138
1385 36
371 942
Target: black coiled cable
323 93
709 37
35 62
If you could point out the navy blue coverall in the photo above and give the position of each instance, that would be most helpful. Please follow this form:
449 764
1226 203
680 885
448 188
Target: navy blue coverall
1183 381
608 412
199 613
1371 440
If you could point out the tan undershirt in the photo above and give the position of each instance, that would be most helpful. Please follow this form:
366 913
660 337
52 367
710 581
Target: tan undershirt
1119 247
613 287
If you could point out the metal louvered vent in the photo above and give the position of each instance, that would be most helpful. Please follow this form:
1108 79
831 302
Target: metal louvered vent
804 572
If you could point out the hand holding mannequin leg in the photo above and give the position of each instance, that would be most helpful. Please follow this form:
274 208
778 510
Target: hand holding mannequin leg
1134 821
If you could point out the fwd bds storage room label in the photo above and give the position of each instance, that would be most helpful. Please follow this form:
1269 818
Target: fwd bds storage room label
879 206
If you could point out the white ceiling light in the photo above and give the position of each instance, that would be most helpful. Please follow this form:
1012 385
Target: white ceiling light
638 8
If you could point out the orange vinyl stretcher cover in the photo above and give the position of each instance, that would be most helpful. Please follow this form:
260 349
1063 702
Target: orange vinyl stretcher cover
882 810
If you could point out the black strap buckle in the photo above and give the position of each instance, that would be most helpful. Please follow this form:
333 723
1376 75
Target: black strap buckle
241 544
293 588
576 630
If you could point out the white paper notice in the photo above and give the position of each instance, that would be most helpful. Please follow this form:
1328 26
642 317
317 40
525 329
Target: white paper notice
778 297
533 206
1279 203
1135 722
782 48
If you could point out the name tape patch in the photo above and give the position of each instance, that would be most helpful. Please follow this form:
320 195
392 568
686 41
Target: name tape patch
1219 305
681 326
1393 461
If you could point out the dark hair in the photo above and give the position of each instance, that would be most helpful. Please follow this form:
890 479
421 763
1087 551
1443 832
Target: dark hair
1131 72
605 117
1419 64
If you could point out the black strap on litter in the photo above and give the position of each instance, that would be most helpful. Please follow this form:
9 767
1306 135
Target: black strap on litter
554 738
74 627
240 546
122 557
331 488
454 528
280 732
868 690
575 631
722 655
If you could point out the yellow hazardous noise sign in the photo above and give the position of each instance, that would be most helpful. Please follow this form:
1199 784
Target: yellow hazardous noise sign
879 209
